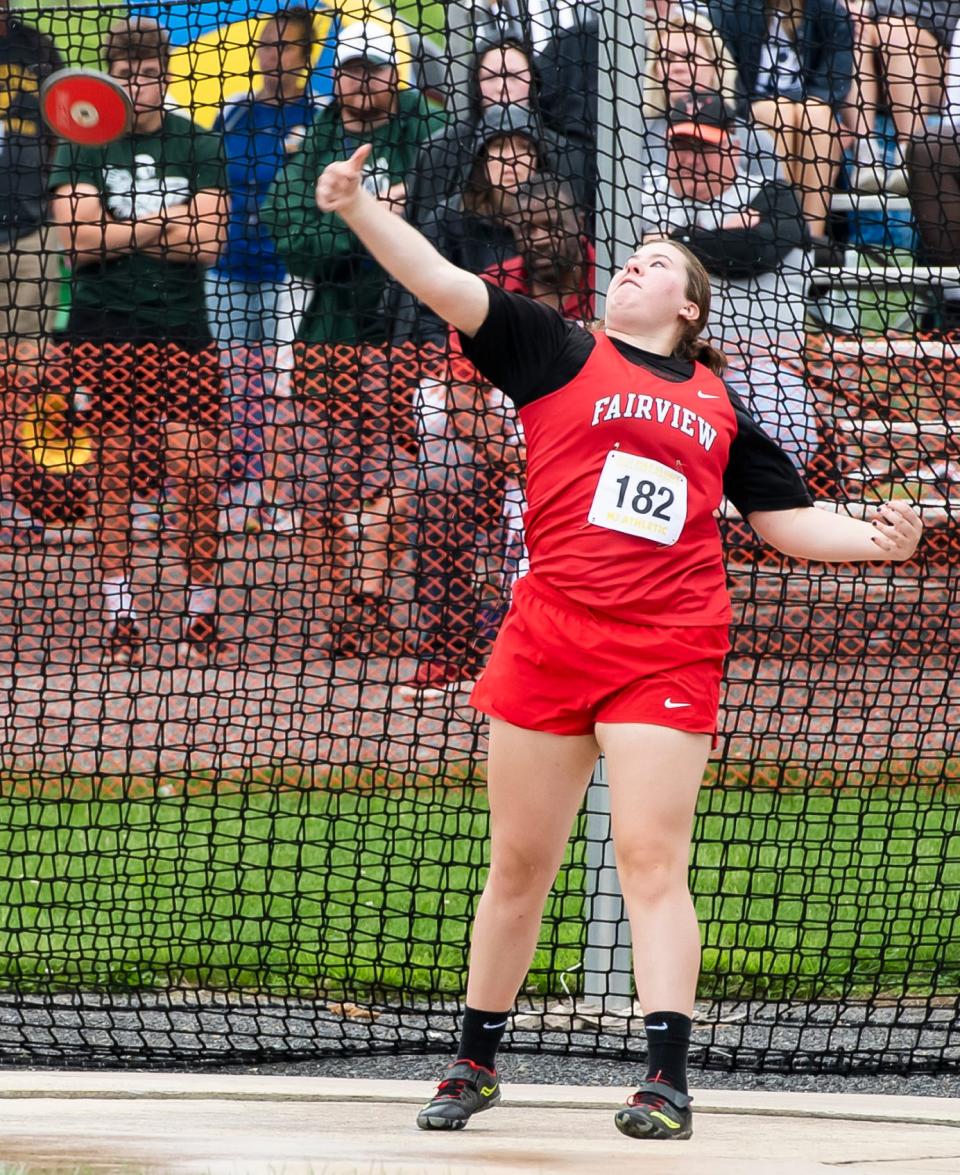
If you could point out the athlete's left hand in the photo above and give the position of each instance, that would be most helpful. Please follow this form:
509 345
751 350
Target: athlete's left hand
898 529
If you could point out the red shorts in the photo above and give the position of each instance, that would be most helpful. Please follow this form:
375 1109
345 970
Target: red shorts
561 668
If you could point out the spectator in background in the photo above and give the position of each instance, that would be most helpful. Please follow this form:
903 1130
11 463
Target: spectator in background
568 64
714 197
369 107
469 229
469 448
795 59
27 261
502 74
471 497
141 220
684 52
555 259
534 20
933 174
254 306
899 57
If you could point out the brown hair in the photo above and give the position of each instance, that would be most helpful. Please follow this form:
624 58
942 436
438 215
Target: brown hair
690 346
136 38
479 197
295 27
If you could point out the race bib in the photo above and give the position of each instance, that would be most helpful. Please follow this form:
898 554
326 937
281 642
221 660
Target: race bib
640 497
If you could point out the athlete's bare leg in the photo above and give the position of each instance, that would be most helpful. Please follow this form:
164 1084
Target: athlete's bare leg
536 785
655 775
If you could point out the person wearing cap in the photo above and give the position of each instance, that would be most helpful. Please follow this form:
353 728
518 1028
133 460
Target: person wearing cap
369 106
715 194
685 53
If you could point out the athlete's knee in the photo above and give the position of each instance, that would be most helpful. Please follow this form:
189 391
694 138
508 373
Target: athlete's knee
656 867
521 876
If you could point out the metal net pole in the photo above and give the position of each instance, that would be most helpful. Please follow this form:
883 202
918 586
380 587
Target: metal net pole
621 166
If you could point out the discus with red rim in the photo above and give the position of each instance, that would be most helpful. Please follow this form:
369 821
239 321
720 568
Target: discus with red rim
86 107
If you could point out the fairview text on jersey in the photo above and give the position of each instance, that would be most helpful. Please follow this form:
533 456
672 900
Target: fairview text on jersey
640 407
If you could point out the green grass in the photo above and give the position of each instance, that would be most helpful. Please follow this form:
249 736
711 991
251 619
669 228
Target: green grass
313 890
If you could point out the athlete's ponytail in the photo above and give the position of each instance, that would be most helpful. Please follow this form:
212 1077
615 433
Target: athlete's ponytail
690 345
700 351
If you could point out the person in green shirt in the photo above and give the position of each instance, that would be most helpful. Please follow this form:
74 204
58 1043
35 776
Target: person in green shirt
141 219
369 107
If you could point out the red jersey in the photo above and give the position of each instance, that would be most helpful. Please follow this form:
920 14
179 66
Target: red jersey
628 456
624 473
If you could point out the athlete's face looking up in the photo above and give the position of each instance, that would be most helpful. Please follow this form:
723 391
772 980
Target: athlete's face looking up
648 296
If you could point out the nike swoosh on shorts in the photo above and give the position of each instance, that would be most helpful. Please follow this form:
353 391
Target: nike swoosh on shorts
671 705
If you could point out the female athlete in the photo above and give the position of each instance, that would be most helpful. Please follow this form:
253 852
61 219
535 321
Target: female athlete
615 640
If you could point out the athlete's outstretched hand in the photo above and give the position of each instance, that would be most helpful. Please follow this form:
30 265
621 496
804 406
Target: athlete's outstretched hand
898 529
338 186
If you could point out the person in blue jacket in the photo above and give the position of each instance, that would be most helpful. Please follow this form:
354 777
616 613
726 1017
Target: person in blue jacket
254 304
795 59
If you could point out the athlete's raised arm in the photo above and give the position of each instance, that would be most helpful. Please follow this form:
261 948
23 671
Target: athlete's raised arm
459 297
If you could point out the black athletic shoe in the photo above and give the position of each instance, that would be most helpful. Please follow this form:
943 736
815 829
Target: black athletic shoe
656 1110
124 642
466 1090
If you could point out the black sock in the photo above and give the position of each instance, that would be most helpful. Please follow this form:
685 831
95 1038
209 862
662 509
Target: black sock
668 1042
480 1036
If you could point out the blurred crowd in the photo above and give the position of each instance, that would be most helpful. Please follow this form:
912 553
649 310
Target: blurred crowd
209 242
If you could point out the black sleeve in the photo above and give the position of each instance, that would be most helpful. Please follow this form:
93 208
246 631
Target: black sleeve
525 348
745 252
759 475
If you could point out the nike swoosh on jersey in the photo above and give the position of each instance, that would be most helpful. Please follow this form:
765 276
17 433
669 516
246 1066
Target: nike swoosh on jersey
707 396
672 705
